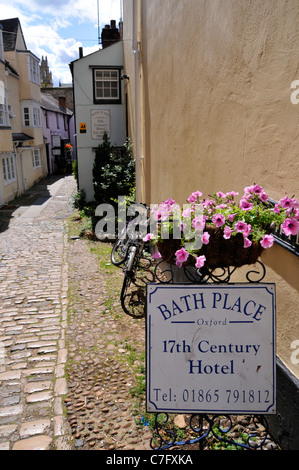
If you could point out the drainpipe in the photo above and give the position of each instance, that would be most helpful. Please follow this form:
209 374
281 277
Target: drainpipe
137 61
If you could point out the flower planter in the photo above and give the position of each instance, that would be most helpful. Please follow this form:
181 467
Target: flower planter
219 253
233 234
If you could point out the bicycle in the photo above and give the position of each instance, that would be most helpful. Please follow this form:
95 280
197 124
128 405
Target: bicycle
132 252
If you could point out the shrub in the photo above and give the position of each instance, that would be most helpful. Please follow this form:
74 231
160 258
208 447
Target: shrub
113 172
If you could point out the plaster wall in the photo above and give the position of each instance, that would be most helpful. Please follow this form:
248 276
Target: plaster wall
218 112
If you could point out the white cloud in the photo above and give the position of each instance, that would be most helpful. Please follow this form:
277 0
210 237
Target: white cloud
54 28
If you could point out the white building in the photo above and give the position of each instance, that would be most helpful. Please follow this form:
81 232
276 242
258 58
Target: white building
99 106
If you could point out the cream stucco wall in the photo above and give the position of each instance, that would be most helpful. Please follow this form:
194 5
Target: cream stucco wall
216 112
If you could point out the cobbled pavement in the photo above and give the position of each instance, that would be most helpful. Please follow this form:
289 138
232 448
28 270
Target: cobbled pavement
33 299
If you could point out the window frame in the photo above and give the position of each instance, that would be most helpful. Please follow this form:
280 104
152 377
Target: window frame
4 112
34 70
31 114
109 99
9 168
36 158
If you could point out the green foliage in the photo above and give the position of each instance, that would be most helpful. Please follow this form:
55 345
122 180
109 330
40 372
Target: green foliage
113 172
80 199
75 169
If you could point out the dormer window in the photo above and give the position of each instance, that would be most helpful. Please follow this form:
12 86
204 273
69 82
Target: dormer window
34 73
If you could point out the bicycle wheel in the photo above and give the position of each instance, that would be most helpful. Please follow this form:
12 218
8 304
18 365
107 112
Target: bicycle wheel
119 252
132 297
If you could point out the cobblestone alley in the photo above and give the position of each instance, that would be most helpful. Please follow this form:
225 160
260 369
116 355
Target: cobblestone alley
33 288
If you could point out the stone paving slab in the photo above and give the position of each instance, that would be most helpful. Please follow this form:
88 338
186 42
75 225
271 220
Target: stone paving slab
33 302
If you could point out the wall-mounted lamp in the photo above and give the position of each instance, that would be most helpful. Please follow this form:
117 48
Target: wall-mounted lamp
125 77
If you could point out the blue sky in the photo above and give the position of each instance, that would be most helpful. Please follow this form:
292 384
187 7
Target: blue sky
57 28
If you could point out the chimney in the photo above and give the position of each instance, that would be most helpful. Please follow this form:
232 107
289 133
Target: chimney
62 102
110 34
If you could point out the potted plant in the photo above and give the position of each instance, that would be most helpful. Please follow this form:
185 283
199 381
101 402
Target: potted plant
230 233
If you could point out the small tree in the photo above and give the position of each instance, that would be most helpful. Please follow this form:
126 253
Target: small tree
113 172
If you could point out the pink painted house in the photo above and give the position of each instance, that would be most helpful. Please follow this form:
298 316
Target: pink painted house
59 133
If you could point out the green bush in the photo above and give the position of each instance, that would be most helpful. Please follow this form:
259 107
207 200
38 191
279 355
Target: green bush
113 172
75 169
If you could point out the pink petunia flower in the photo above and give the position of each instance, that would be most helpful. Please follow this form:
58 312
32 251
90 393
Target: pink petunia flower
245 205
147 237
231 217
205 238
257 189
218 220
169 202
247 231
198 222
290 226
286 202
231 194
187 212
181 256
227 232
157 254
276 209
264 197
200 261
194 196
267 241
247 242
241 226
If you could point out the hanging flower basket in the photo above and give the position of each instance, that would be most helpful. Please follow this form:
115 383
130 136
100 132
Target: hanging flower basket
219 253
232 233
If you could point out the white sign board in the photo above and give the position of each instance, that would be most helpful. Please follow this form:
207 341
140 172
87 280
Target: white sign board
56 140
211 348
100 123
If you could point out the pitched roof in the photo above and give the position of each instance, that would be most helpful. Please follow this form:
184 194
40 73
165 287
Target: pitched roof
50 103
10 32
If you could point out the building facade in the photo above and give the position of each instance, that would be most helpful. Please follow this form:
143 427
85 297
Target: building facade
59 133
22 149
99 107
212 105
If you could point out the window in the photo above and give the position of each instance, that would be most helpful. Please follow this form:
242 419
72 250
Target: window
4 112
34 73
106 86
26 117
9 168
36 160
36 117
31 114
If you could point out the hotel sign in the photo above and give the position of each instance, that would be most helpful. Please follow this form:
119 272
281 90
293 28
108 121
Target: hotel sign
211 348
100 123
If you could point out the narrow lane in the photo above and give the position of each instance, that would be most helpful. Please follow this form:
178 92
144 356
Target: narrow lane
33 301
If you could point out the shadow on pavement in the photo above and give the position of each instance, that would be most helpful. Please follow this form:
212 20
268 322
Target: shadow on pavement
35 196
